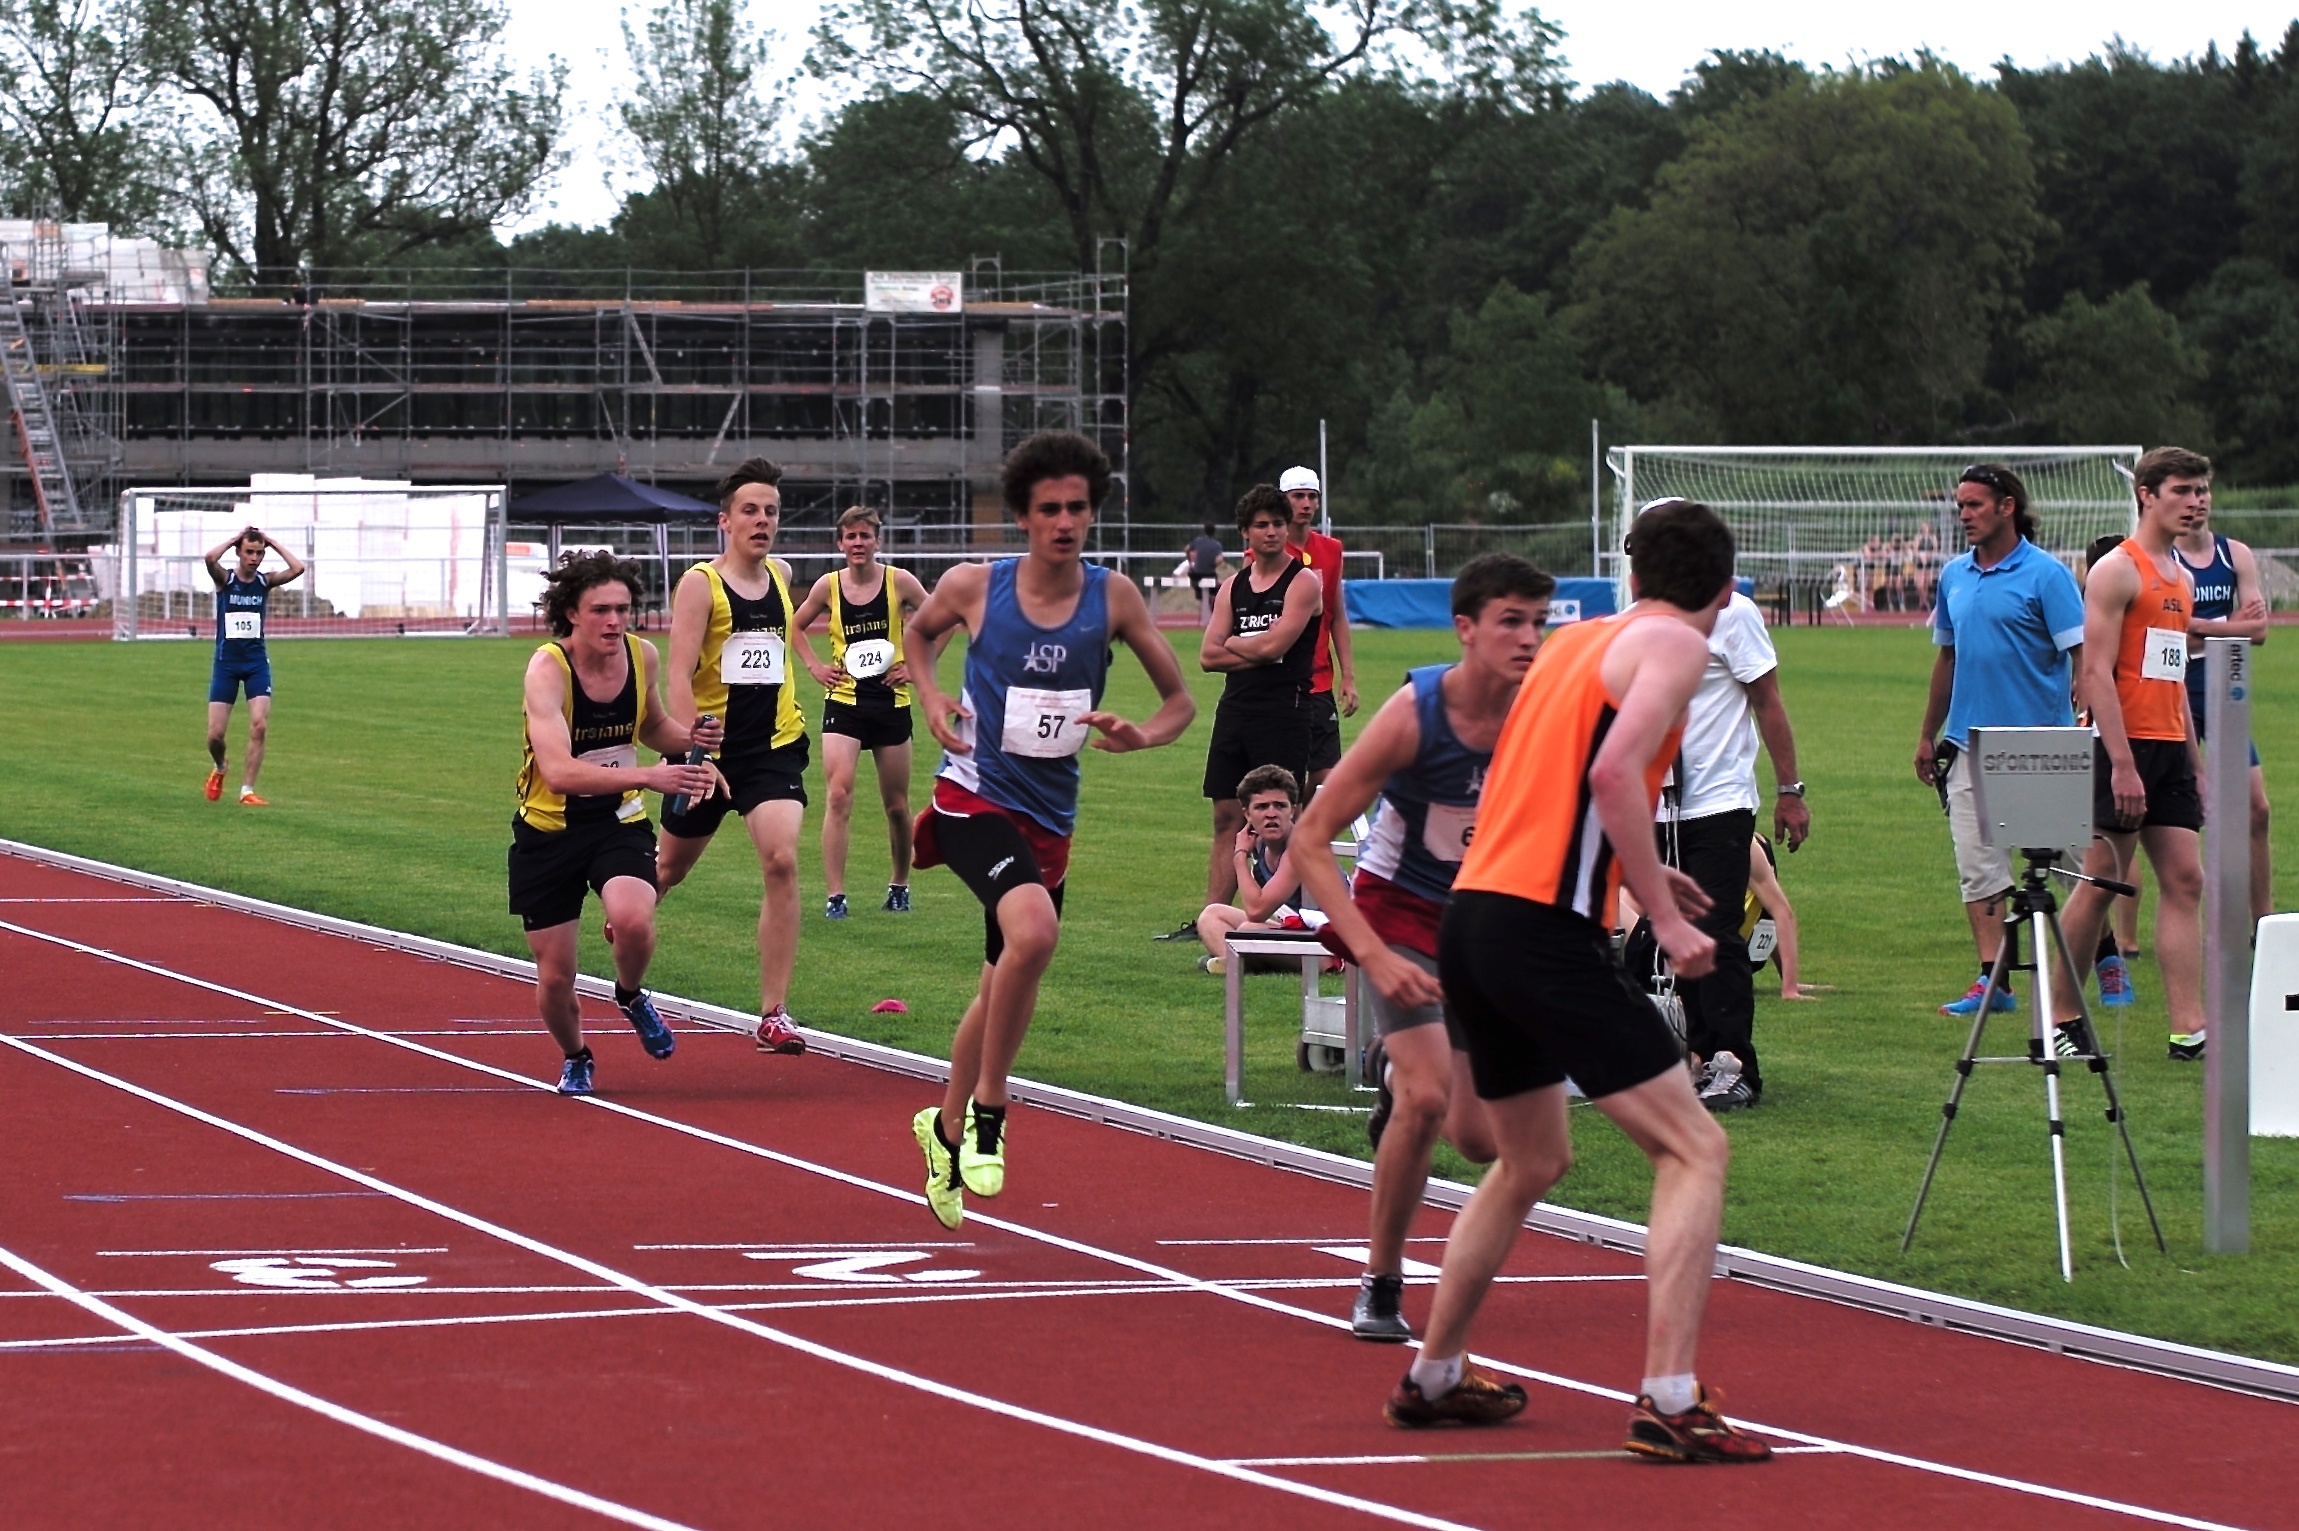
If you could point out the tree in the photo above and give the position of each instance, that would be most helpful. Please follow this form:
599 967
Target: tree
2247 318
73 99
2112 372
329 133
703 128
1829 263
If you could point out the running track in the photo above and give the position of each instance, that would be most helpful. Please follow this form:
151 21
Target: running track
713 1297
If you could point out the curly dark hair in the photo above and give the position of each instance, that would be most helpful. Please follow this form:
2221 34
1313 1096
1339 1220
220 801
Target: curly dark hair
1262 500
1680 552
563 587
751 470
1053 454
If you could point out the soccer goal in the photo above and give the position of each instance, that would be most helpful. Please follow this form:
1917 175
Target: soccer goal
384 558
1860 529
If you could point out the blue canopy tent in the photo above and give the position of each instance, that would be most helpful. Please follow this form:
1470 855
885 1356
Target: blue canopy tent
610 499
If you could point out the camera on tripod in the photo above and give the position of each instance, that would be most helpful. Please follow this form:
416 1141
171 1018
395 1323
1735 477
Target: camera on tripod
2032 789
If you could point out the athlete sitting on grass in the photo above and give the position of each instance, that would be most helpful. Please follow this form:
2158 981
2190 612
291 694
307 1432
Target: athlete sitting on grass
1424 756
593 695
1269 893
242 598
1039 630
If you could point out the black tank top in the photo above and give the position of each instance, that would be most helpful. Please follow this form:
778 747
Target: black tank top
752 712
600 726
1282 685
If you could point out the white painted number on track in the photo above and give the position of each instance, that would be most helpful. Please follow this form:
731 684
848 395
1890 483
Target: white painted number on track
312 1272
867 1266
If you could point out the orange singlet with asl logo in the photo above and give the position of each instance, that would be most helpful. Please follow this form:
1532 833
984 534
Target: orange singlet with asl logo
1538 836
2151 658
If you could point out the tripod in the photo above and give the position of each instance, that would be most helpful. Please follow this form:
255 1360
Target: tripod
2033 905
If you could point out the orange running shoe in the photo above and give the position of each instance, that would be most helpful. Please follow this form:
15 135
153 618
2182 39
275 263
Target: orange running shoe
1699 1434
215 783
248 799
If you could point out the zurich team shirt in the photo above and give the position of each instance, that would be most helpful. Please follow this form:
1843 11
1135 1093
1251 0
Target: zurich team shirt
2011 626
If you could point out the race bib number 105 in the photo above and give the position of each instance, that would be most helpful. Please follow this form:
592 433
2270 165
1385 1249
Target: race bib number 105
751 659
243 624
1044 724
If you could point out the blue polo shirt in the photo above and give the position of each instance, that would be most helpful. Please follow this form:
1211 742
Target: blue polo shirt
2011 627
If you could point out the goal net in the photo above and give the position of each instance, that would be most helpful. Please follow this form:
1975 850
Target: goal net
382 558
1866 528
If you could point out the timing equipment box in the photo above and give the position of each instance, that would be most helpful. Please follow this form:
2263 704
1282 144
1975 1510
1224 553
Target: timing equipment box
2032 786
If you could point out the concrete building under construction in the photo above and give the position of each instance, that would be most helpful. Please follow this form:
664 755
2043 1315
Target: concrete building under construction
863 389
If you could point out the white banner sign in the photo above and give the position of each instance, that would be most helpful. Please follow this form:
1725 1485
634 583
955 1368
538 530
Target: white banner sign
913 292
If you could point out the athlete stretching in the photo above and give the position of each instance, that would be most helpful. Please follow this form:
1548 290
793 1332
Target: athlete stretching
867 700
731 635
242 596
593 694
1525 952
1039 630
1424 755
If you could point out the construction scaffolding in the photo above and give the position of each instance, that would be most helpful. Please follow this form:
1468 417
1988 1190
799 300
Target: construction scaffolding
530 378
55 351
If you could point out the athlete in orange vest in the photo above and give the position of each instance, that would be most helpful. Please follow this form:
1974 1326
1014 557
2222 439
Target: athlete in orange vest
1525 955
2136 605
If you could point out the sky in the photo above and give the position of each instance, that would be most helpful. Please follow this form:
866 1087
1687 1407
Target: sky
1650 43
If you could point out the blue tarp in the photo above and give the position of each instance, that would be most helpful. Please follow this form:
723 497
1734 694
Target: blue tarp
1429 602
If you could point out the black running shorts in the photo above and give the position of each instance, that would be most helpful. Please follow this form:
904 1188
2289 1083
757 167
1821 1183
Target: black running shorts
773 776
1324 732
1243 740
550 869
2166 770
992 858
1540 996
876 728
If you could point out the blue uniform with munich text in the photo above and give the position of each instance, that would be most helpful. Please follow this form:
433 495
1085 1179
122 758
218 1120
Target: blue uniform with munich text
241 660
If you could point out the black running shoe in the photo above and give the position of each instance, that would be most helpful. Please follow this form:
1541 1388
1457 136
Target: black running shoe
2186 1049
897 898
1378 1313
1185 931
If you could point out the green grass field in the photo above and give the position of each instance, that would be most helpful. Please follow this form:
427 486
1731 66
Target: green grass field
391 765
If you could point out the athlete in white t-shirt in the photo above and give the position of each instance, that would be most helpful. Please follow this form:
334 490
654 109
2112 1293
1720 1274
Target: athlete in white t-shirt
1708 810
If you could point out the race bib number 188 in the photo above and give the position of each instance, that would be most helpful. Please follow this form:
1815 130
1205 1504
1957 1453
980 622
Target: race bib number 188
2165 657
1044 724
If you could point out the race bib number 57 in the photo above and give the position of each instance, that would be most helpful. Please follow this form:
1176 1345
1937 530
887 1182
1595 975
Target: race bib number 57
1044 724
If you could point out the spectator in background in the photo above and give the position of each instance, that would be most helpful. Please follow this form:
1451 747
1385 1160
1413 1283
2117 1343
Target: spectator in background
1322 554
1203 558
1707 816
1269 893
2008 626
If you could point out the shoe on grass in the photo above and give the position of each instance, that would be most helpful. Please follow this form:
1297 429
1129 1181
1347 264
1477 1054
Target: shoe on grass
215 786
2114 981
248 799
897 898
834 907
2186 1047
1969 1004
1212 963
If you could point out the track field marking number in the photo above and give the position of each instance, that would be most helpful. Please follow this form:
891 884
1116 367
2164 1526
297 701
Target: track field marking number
309 1271
869 1266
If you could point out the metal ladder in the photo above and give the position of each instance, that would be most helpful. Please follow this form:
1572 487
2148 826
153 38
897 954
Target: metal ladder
34 416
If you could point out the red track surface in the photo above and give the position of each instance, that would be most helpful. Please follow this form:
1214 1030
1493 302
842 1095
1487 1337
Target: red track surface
572 1269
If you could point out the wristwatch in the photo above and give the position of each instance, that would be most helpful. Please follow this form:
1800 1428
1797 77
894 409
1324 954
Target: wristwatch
1790 789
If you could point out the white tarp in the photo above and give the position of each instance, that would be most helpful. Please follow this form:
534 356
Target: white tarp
914 292
105 267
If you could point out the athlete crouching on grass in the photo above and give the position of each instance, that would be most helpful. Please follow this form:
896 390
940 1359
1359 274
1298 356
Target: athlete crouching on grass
1039 629
1425 755
1525 954
593 695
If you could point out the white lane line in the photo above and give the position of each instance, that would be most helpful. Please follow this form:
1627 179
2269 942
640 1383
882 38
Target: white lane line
632 1284
1612 1455
774 1244
1338 1238
1147 1267
157 1254
236 1036
146 899
366 1423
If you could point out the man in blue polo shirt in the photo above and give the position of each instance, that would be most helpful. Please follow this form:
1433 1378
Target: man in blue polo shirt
2008 623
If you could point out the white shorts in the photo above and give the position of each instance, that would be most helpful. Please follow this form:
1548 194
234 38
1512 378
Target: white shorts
1982 871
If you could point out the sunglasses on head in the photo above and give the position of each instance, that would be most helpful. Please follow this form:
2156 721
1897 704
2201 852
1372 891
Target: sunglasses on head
1980 473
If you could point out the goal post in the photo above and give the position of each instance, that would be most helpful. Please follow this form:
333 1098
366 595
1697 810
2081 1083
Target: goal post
383 558
1865 528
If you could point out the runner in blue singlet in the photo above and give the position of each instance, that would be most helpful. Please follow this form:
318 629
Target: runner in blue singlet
243 594
2229 603
1425 755
1039 629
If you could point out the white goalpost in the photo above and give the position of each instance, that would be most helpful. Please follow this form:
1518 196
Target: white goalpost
384 557
1865 528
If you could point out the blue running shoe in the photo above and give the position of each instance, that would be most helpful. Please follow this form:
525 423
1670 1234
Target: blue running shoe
1970 1003
897 898
654 1036
2114 981
575 1074
834 908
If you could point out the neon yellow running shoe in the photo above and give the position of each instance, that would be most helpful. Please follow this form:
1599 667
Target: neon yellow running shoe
945 1193
982 1150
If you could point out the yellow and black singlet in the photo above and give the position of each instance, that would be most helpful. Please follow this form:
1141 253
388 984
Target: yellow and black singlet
741 674
866 640
603 733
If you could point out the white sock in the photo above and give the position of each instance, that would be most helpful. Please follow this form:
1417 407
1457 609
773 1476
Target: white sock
1436 1378
1673 1395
